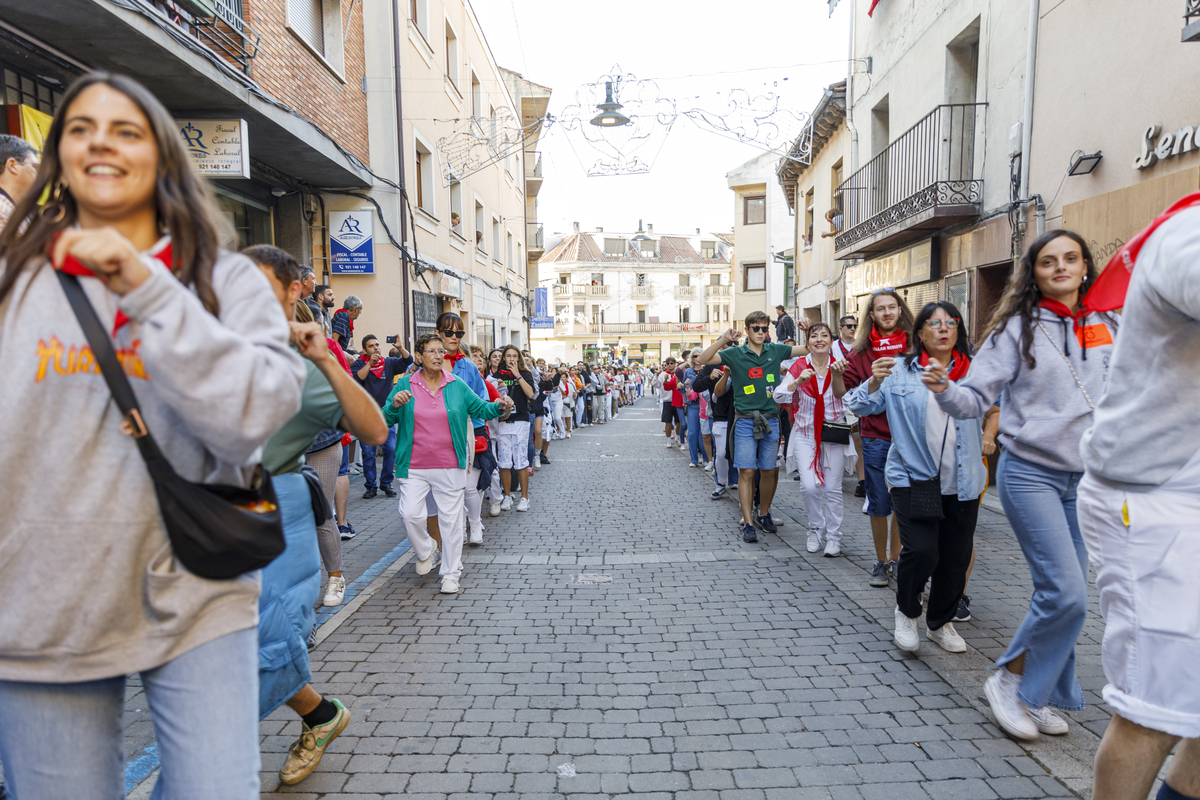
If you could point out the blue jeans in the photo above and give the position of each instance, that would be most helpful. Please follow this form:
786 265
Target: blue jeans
64 740
681 415
875 453
751 453
388 469
1040 504
693 423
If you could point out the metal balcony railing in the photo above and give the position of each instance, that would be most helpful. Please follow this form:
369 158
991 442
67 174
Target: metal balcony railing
1191 21
533 165
216 24
929 171
535 236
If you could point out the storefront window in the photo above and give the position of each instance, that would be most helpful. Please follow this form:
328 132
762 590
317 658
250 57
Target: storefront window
425 313
250 220
485 334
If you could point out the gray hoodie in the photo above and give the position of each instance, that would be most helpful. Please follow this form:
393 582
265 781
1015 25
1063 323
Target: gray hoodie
92 588
1043 413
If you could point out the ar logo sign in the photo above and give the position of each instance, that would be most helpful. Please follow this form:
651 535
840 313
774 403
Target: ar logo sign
350 229
192 137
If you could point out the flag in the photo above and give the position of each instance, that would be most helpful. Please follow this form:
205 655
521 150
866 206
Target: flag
1108 292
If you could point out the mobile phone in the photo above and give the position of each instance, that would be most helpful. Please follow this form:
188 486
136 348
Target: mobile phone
391 339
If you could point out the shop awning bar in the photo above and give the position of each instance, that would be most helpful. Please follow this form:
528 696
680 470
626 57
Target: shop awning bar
926 180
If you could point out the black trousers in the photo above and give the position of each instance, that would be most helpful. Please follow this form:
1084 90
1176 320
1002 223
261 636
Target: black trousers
937 548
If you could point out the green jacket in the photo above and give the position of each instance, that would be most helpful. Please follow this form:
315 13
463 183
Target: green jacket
461 405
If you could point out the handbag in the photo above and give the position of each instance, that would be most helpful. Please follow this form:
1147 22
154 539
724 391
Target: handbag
216 532
320 503
925 497
835 432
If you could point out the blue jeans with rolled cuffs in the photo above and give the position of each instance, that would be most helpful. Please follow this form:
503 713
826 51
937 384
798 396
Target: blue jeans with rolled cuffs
693 423
1040 504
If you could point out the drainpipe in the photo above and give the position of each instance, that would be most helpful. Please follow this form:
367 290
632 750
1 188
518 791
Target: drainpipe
850 95
404 260
1030 76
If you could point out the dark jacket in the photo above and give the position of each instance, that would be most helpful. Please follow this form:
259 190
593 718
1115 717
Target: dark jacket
380 388
785 328
721 408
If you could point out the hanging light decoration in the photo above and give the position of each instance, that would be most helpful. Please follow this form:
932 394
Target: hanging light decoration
610 115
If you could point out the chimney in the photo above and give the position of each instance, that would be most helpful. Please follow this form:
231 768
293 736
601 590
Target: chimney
649 227
697 231
576 224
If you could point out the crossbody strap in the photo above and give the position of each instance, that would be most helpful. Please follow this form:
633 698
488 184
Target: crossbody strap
1074 374
110 367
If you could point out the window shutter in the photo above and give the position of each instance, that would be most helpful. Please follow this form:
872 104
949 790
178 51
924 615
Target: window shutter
306 18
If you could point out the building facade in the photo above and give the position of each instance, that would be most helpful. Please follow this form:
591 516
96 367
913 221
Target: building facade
763 235
639 297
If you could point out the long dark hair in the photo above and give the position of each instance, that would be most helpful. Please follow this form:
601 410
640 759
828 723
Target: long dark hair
1021 294
182 201
521 367
962 348
862 337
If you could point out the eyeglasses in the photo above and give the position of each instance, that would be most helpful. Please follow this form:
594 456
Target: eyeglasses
760 328
428 352
455 334
941 323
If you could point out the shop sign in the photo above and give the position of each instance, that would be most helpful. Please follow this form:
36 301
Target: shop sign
1156 147
219 148
425 312
450 286
541 319
911 265
352 242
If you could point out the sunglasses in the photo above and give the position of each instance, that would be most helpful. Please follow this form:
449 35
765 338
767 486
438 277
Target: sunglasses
760 328
884 289
850 327
455 334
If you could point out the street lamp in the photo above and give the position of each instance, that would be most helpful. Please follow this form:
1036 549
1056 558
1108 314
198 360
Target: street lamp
1082 163
610 115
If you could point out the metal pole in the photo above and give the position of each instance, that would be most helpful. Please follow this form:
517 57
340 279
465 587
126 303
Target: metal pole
1030 76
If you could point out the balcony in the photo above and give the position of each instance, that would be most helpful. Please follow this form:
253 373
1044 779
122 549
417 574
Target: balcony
926 180
685 292
535 238
533 173
718 291
642 292
672 328
1191 21
579 290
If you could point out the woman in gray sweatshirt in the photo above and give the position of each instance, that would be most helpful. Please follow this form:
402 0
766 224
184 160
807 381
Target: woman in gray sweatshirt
94 591
1047 363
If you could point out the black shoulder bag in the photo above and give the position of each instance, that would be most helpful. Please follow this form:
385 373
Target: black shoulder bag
217 532
925 497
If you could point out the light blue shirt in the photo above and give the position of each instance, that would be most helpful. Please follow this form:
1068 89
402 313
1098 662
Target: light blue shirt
906 399
466 371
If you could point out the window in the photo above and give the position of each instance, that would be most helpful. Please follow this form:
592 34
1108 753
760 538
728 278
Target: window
648 247
485 333
520 260
581 314
714 279
754 211
456 222
480 221
250 221
597 279
725 312
476 95
597 315
451 55
639 279
754 277
21 89
560 315
809 218
496 252
641 315
564 278
708 249
614 247
318 23
685 314
418 12
685 279
508 253
424 175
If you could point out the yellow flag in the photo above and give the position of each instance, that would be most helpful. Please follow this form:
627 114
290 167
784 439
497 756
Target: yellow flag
35 126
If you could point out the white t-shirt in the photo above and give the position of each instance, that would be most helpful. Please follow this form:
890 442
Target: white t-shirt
937 425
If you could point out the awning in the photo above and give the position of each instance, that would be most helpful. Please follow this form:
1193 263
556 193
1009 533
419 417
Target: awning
189 79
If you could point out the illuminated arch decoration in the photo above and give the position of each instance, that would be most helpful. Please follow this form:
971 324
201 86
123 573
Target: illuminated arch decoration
758 121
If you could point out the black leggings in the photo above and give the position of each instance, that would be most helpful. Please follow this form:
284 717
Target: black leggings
937 548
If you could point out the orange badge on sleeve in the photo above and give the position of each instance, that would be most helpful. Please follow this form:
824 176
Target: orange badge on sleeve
1094 335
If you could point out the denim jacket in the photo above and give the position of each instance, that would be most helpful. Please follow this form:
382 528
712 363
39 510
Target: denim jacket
905 399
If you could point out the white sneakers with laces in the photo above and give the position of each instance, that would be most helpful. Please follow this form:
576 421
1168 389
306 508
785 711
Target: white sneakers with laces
476 537
1048 722
1011 713
506 503
335 591
947 638
814 541
449 585
906 635
832 549
493 509
423 567
523 504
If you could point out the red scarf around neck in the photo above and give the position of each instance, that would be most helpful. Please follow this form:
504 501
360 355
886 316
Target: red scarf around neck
454 357
958 366
377 370
888 346
810 388
73 266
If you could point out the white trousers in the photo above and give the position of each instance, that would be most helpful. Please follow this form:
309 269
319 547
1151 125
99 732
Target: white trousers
446 486
1149 597
720 431
827 520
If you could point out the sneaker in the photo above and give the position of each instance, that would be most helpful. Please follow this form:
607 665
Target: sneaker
947 638
796 477
964 609
335 592
523 504
423 567
861 489
531 472
893 569
543 459
568 434
476 537
1048 722
709 467
369 494
814 541
832 549
879 574
355 469
670 443
312 645
506 503
535 464
449 585
906 633
693 465
765 522
717 494
306 753
347 532
493 509
683 446
388 491
1011 714
749 535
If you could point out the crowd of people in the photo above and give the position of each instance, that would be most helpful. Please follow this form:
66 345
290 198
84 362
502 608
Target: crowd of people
205 385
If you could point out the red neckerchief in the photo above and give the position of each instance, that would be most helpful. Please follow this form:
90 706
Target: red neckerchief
958 366
454 357
810 388
378 371
887 346
72 266
1107 293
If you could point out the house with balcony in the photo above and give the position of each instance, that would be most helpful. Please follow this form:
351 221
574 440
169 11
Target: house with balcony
763 235
637 295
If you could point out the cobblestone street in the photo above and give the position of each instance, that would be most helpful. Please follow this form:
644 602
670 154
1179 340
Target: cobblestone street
706 668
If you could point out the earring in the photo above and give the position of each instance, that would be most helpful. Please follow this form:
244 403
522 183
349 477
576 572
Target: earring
54 211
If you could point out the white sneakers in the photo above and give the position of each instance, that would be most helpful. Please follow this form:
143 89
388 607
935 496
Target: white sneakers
814 541
1011 714
494 510
506 503
683 446
449 585
670 442
423 567
476 536
947 638
832 549
1048 722
906 635
335 591
710 466
523 504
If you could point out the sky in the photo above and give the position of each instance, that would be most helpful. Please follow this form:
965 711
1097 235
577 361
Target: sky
695 52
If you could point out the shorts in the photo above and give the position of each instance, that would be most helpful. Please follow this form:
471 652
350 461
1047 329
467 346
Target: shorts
667 417
751 453
344 469
512 445
706 426
875 453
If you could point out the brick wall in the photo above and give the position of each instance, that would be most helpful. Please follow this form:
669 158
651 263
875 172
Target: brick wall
290 72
